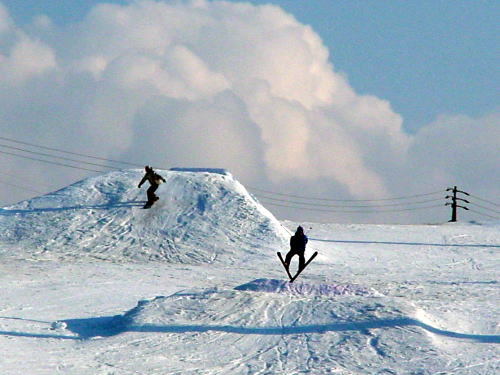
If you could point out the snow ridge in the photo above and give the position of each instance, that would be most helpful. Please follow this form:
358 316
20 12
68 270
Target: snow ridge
202 216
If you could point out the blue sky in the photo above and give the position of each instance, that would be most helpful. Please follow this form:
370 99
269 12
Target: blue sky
427 57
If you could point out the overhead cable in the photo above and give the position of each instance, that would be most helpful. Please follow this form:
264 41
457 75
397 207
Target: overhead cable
344 200
352 211
70 152
51 162
308 205
346 206
483 214
485 208
485 200
55 156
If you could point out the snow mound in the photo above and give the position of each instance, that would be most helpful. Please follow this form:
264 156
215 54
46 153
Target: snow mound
246 312
284 332
203 215
305 289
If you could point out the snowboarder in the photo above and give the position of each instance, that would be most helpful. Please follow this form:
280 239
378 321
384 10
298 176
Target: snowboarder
297 247
155 180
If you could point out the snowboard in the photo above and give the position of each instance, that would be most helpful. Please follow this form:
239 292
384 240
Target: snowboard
292 278
150 203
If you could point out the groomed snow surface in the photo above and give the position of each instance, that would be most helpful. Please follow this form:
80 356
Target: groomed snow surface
93 284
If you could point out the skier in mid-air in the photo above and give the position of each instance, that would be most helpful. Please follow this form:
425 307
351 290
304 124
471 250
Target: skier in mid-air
155 180
297 247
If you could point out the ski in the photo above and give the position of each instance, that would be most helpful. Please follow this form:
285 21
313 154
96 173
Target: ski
292 279
284 265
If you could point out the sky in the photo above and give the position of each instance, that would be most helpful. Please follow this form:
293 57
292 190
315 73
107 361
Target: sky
345 100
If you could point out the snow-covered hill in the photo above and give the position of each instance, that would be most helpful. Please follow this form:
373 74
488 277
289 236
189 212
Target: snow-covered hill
202 216
193 286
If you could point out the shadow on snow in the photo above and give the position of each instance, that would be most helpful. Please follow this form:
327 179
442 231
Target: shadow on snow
113 325
403 243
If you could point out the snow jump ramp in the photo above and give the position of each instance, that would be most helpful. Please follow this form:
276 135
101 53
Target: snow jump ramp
203 215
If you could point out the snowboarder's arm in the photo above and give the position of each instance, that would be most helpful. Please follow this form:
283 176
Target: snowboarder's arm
142 181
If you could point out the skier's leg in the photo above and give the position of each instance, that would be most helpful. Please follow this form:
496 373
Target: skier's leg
289 258
302 260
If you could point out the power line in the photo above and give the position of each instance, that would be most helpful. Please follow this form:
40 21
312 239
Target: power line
347 206
50 162
301 205
249 187
483 214
55 156
343 200
352 211
70 152
270 203
485 200
486 208
456 202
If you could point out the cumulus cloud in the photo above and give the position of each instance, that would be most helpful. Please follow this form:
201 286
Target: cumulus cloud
26 59
459 149
219 84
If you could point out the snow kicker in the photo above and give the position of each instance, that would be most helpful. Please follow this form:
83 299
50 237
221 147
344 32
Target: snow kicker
250 330
202 216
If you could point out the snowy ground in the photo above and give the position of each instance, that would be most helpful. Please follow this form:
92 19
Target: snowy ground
88 286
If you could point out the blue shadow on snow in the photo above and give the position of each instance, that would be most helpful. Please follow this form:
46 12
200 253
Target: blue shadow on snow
316 328
113 325
403 243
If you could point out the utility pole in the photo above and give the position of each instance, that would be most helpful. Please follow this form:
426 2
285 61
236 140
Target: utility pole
454 205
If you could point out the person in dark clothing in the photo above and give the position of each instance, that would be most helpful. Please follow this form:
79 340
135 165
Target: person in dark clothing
155 180
297 247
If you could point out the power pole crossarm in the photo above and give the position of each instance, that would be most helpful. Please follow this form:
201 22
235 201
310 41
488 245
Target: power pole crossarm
458 206
458 191
454 200
458 199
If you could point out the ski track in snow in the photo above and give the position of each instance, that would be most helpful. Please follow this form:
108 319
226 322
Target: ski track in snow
93 284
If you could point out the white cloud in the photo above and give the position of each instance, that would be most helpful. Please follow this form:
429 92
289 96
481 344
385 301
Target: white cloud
178 73
21 57
221 84
26 59
459 150
5 20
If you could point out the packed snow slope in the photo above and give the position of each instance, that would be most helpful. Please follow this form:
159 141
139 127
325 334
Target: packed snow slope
202 216
193 286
